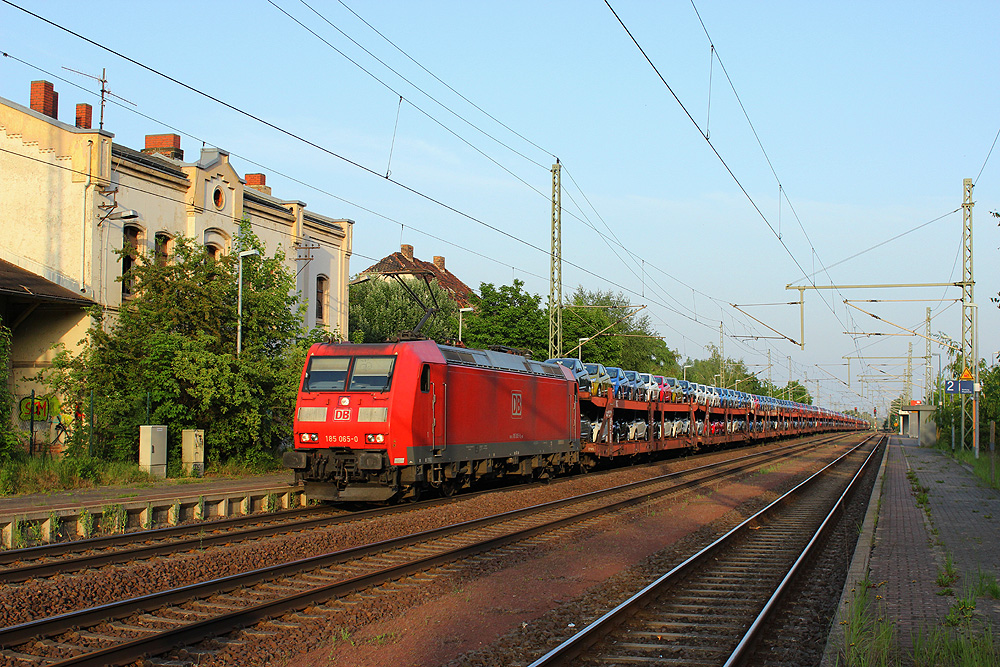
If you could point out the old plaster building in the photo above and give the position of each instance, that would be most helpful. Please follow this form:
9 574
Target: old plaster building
70 197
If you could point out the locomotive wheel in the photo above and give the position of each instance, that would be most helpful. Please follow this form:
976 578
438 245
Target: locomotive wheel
448 488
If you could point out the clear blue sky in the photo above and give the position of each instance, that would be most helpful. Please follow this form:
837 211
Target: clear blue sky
871 114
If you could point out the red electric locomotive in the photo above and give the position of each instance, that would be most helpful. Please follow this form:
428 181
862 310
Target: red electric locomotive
385 421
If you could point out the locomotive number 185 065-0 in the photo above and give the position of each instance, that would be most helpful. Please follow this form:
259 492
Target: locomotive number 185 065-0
343 438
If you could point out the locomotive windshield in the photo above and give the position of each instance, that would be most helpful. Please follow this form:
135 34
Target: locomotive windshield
340 374
371 374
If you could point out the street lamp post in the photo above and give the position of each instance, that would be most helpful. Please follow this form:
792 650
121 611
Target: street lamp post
239 300
937 385
685 369
460 311
579 351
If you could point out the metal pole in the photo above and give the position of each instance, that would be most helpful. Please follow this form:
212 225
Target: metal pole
239 307
975 381
239 300
90 445
31 430
555 266
968 297
993 461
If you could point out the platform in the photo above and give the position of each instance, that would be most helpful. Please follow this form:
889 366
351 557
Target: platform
903 551
79 512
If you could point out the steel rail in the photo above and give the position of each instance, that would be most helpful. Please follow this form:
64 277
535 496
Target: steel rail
19 634
756 627
70 546
198 539
606 624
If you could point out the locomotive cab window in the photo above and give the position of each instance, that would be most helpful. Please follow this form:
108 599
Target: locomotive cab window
371 374
326 374
425 379
349 374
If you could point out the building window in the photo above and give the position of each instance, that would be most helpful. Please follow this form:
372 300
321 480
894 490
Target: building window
216 243
218 198
322 299
164 244
130 245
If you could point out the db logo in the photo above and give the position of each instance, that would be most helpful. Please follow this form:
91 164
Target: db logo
342 415
515 404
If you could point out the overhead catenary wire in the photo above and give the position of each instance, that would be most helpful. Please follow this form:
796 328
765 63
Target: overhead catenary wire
718 155
584 220
493 259
782 193
402 225
988 154
443 83
341 157
604 239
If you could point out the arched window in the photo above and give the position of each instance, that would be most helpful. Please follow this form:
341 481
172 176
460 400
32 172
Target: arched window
131 240
163 248
216 243
322 299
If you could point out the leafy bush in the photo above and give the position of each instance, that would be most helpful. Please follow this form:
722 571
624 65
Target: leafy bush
170 357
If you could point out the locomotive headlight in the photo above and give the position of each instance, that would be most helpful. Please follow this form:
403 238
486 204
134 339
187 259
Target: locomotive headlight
304 437
344 400
373 438
380 438
314 437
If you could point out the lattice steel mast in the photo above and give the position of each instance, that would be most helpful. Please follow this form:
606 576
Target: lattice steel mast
555 267
968 344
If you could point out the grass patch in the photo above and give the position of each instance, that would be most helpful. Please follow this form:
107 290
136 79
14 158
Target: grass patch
869 639
980 467
948 574
955 648
242 468
963 641
986 585
114 519
962 611
48 475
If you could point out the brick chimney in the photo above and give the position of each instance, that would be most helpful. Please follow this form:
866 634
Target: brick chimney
258 182
84 116
439 262
407 251
44 99
164 144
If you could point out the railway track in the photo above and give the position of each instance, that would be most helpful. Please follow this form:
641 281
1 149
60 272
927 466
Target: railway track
62 558
153 624
711 609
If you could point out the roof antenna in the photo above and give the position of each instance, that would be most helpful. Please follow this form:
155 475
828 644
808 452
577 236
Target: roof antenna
105 91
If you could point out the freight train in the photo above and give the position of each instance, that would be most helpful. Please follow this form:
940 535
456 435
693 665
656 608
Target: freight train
384 422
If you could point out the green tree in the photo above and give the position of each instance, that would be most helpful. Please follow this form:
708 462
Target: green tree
619 335
8 435
794 391
379 309
507 315
171 350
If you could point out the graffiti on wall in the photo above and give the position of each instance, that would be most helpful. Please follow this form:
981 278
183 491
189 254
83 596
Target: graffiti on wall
42 407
